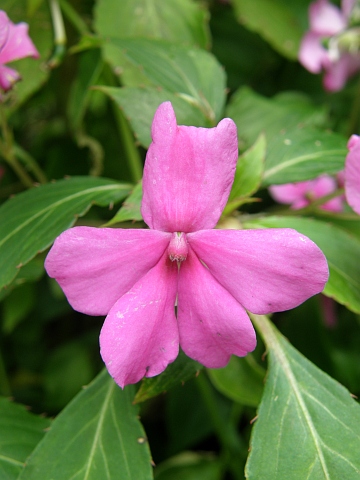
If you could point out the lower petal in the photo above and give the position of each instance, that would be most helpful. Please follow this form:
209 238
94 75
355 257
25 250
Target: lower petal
268 270
212 324
8 76
140 334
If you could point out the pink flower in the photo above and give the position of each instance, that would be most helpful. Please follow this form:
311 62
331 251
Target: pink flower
15 44
136 277
301 194
352 174
338 59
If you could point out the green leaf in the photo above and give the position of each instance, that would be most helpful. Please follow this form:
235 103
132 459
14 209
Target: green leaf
340 248
180 70
176 373
130 209
190 466
242 380
308 425
181 21
97 436
272 20
302 154
140 104
18 305
254 114
30 221
20 432
30 272
249 171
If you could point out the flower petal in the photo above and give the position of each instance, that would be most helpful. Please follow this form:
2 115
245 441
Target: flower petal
140 335
8 76
4 28
266 270
325 18
312 55
352 174
96 266
18 44
212 324
188 173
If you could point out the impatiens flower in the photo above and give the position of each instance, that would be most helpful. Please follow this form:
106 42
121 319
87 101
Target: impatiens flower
15 44
352 174
331 45
302 194
136 277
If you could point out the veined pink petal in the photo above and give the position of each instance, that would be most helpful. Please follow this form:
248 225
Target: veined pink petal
212 324
8 77
4 28
18 44
188 173
266 270
352 174
140 334
325 18
97 266
312 55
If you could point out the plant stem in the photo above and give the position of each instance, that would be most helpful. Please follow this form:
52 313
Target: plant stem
73 17
231 443
31 163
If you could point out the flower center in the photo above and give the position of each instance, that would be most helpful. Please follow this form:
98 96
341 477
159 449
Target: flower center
178 249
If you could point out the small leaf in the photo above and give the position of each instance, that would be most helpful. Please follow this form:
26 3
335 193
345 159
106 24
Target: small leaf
249 170
176 373
31 221
18 305
308 425
180 70
272 20
130 209
242 380
190 466
340 248
97 436
302 154
20 432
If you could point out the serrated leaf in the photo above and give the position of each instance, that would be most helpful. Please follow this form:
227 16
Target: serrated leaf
340 248
302 154
255 114
249 171
140 104
308 425
181 21
31 221
130 209
99 437
242 380
20 432
176 373
180 70
273 21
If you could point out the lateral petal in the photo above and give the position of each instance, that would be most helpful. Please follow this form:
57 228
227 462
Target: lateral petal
18 44
97 266
188 173
140 334
352 174
212 324
266 270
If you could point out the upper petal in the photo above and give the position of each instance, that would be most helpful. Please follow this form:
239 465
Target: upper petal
96 266
4 28
188 173
325 18
265 270
312 55
18 44
140 335
212 324
352 174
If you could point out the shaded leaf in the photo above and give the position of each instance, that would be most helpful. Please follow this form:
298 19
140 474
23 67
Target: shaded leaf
190 466
130 209
340 248
242 380
308 425
176 373
20 432
30 221
99 436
